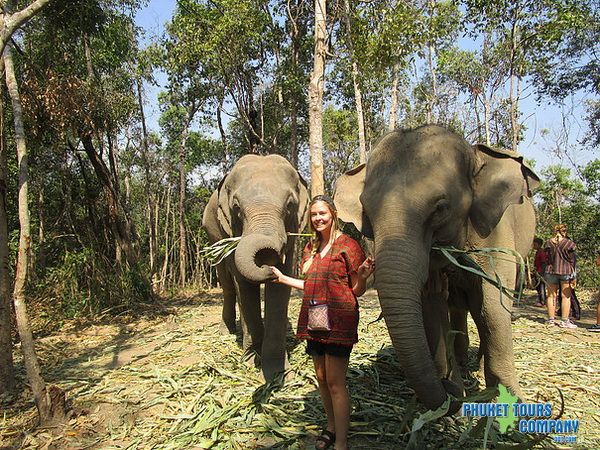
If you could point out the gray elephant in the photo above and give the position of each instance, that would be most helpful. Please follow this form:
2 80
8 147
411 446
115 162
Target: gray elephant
427 187
261 199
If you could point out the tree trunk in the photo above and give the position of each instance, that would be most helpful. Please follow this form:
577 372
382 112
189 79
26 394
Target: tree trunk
486 118
7 371
182 190
50 403
315 100
477 116
121 225
146 162
112 162
514 126
362 141
41 256
394 99
297 31
165 265
432 98
223 136
88 57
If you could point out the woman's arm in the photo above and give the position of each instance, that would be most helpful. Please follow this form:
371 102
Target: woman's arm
284 279
359 278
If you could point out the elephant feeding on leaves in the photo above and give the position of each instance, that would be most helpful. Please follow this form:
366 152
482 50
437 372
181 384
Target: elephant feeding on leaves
261 199
427 187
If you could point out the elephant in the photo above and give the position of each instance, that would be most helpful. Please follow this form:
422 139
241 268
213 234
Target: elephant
429 187
260 200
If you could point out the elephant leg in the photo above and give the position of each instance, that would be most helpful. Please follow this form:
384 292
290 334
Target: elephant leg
435 334
493 319
437 327
252 326
229 297
274 356
458 322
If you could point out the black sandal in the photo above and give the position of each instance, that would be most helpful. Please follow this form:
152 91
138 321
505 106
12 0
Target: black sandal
327 438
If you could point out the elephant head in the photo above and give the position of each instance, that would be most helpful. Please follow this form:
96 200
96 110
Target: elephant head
261 199
421 188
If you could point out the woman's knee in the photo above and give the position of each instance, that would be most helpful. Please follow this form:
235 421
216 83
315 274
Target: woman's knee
320 371
336 386
321 375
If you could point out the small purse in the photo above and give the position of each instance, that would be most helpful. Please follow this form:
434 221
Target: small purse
318 313
318 317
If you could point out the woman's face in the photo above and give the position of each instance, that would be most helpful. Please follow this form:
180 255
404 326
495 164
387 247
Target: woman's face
320 216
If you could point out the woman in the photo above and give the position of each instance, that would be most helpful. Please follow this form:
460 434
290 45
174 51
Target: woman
335 272
559 273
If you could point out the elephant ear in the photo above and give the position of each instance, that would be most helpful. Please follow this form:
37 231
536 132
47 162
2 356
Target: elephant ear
501 178
223 209
303 201
348 188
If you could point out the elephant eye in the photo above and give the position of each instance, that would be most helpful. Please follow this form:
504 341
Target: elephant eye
235 206
442 210
291 202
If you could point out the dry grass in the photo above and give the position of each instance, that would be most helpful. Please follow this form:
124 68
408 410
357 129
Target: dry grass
170 380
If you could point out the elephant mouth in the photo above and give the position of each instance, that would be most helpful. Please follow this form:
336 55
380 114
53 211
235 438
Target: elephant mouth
266 257
254 254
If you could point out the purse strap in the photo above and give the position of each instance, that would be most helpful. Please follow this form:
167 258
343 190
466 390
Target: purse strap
313 301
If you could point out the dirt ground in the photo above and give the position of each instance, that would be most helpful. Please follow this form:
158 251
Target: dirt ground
166 378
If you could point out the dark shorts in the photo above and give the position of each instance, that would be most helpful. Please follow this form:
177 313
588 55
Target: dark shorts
314 348
553 278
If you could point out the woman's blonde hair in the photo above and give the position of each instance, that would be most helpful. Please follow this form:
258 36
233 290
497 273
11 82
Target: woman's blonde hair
316 238
561 228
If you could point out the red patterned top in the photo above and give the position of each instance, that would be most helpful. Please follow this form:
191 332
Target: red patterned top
328 281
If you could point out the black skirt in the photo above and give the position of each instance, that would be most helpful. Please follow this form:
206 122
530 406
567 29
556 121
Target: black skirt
315 348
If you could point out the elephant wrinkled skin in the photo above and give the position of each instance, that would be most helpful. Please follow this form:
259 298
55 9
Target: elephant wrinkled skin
260 200
427 187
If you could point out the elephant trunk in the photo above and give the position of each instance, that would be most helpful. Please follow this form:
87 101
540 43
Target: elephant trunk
262 244
402 270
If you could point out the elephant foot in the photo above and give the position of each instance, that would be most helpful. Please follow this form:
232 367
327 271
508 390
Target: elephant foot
272 368
455 390
227 328
251 359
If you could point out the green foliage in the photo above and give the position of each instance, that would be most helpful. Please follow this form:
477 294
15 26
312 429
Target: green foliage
565 46
86 283
340 143
564 199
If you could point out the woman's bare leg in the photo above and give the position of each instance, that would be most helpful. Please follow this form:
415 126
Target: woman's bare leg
551 299
336 367
321 372
565 305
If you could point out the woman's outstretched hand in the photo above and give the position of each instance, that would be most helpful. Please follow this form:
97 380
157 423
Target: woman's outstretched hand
366 268
278 276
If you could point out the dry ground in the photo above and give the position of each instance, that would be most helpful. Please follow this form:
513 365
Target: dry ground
166 378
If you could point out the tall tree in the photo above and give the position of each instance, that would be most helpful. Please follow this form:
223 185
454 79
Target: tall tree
231 41
10 21
315 100
7 375
50 403
356 76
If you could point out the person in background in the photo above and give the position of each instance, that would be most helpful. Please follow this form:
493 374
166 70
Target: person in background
575 305
540 261
335 273
596 327
560 270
